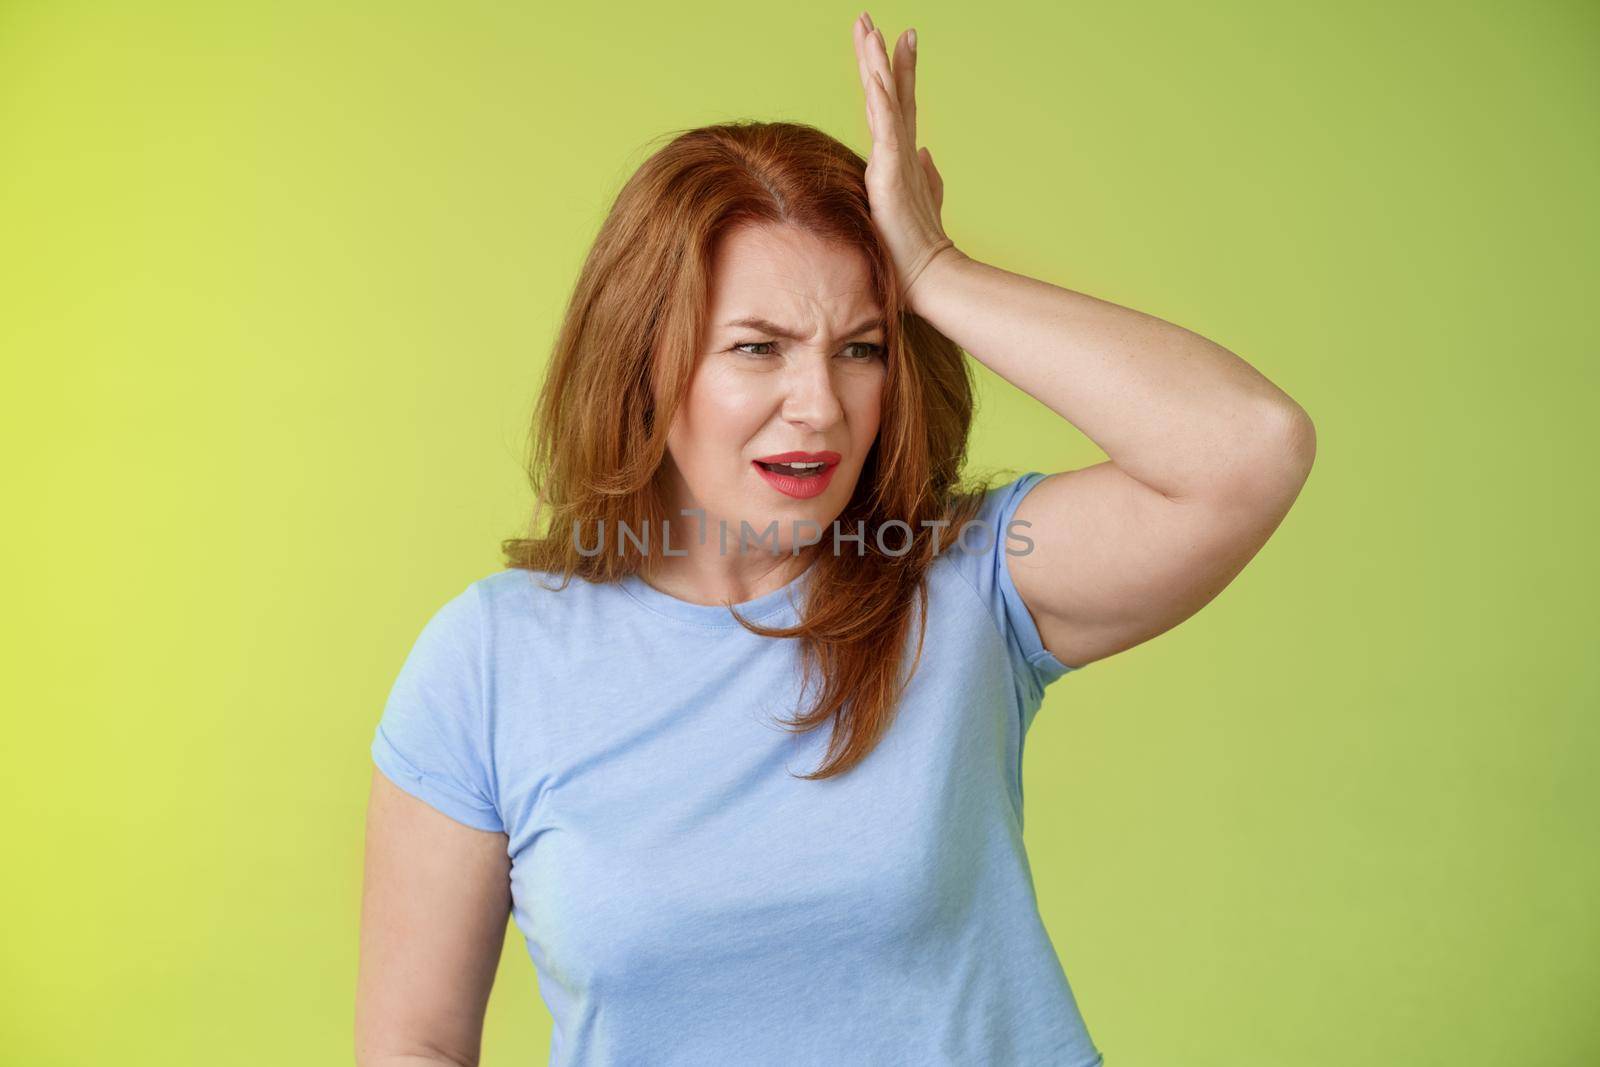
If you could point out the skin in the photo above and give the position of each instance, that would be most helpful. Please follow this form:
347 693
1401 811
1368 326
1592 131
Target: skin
1206 456
436 897
755 393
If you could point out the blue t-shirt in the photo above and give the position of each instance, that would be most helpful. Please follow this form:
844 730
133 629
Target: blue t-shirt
683 898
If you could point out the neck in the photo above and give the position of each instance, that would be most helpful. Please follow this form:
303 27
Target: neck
707 576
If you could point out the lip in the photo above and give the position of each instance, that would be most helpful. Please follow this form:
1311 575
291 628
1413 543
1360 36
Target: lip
830 458
799 488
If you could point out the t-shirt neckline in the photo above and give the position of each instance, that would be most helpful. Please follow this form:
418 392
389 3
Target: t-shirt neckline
716 615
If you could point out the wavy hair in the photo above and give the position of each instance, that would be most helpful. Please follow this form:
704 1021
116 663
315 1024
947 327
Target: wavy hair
623 362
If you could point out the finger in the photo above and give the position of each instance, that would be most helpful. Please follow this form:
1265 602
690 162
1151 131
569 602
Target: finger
863 65
886 128
878 55
879 59
905 79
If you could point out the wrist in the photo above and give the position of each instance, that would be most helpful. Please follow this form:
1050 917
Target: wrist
944 258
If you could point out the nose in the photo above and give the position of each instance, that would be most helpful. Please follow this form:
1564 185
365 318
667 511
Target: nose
811 399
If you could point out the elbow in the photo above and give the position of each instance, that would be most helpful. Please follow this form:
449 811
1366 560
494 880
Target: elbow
372 1053
419 1059
1278 462
1297 443
1292 438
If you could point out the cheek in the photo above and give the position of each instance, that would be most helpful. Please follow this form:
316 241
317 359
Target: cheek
866 408
721 413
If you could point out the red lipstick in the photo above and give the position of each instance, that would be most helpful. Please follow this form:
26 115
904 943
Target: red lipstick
801 475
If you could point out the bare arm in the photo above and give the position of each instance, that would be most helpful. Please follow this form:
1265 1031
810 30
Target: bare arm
1206 454
435 898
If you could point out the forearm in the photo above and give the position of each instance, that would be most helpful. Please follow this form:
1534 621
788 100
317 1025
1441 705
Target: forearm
1170 408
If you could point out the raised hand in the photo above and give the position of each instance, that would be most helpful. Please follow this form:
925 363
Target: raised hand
903 186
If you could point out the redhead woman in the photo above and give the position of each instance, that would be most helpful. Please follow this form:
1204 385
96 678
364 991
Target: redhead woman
735 738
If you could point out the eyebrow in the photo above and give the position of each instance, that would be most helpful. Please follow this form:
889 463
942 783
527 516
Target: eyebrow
772 328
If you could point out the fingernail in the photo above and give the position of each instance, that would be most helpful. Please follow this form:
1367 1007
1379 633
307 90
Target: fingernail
911 39
869 21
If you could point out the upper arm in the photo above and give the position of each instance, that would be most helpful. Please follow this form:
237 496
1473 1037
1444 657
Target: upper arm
437 889
1116 562
434 905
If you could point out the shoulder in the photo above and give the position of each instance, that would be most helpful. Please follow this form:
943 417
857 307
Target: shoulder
529 610
990 530
467 614
515 591
978 551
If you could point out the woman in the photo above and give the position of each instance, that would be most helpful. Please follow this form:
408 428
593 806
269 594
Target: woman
607 739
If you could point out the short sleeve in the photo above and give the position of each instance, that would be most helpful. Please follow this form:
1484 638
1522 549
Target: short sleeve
980 555
431 739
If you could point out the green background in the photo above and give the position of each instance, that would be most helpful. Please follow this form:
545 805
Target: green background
277 282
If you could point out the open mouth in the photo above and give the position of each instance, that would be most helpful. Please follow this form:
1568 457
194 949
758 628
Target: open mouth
798 474
796 470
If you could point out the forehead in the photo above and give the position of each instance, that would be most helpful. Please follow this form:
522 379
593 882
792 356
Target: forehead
791 276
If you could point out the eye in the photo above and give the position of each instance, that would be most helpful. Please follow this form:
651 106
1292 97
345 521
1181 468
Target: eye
871 352
864 351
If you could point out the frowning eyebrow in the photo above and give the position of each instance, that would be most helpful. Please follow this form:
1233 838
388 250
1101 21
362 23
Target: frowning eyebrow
772 329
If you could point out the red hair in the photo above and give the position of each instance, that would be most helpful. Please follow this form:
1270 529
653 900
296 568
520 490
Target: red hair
623 363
